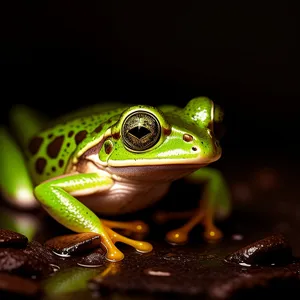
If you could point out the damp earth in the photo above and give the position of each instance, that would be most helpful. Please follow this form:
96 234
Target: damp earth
258 255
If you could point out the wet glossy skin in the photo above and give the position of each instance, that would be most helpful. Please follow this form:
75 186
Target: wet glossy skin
118 156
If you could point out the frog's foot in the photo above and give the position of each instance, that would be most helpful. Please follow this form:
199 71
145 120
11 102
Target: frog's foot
111 237
56 199
211 233
138 227
140 246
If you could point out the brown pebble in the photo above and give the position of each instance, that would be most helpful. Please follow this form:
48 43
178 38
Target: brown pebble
30 261
13 284
274 249
74 243
10 238
40 252
275 284
12 259
93 259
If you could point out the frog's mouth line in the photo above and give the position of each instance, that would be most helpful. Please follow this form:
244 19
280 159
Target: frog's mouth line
157 172
155 169
169 163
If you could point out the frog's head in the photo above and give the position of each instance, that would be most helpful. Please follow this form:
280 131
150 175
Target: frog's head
172 138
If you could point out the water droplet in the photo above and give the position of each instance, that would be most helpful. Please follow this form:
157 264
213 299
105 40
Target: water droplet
244 265
157 272
89 266
63 254
55 267
237 237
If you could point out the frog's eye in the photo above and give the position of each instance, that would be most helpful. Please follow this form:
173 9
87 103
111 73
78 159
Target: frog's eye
140 131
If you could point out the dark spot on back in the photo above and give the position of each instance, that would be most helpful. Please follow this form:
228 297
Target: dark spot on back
50 135
60 163
108 147
35 144
98 129
167 131
116 135
70 133
68 144
55 146
53 169
80 136
40 165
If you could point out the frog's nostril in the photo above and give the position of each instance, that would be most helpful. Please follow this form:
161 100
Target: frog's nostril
194 148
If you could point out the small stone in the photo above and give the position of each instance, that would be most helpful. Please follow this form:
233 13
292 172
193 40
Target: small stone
25 262
274 249
10 238
274 284
67 245
12 259
40 252
10 285
93 259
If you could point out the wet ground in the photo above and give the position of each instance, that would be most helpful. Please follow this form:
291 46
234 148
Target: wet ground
258 255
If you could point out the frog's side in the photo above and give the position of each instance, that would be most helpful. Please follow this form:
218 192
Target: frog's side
120 160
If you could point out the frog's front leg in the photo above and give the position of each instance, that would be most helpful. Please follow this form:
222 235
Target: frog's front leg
57 197
215 201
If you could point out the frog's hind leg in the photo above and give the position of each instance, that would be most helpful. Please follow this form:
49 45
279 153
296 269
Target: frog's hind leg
15 182
216 201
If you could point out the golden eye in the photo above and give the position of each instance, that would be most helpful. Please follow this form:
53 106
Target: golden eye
140 131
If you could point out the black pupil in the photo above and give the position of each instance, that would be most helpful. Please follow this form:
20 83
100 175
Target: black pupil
139 132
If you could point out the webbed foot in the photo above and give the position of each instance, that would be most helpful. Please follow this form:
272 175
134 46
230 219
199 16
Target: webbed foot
205 217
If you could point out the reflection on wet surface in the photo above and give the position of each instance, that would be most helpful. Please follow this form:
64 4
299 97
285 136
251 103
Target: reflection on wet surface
253 255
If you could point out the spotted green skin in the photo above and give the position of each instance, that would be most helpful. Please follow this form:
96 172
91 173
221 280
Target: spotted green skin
53 152
50 151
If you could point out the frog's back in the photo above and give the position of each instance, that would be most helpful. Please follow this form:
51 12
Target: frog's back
50 150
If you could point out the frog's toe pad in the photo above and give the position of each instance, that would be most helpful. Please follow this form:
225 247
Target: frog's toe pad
213 234
143 247
140 246
177 236
114 255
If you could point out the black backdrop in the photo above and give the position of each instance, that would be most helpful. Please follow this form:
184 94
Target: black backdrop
245 56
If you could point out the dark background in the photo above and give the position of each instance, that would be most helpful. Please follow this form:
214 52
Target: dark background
58 55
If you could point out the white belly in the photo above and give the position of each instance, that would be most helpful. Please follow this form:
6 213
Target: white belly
125 197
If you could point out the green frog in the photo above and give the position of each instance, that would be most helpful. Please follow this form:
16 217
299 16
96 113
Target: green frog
114 159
